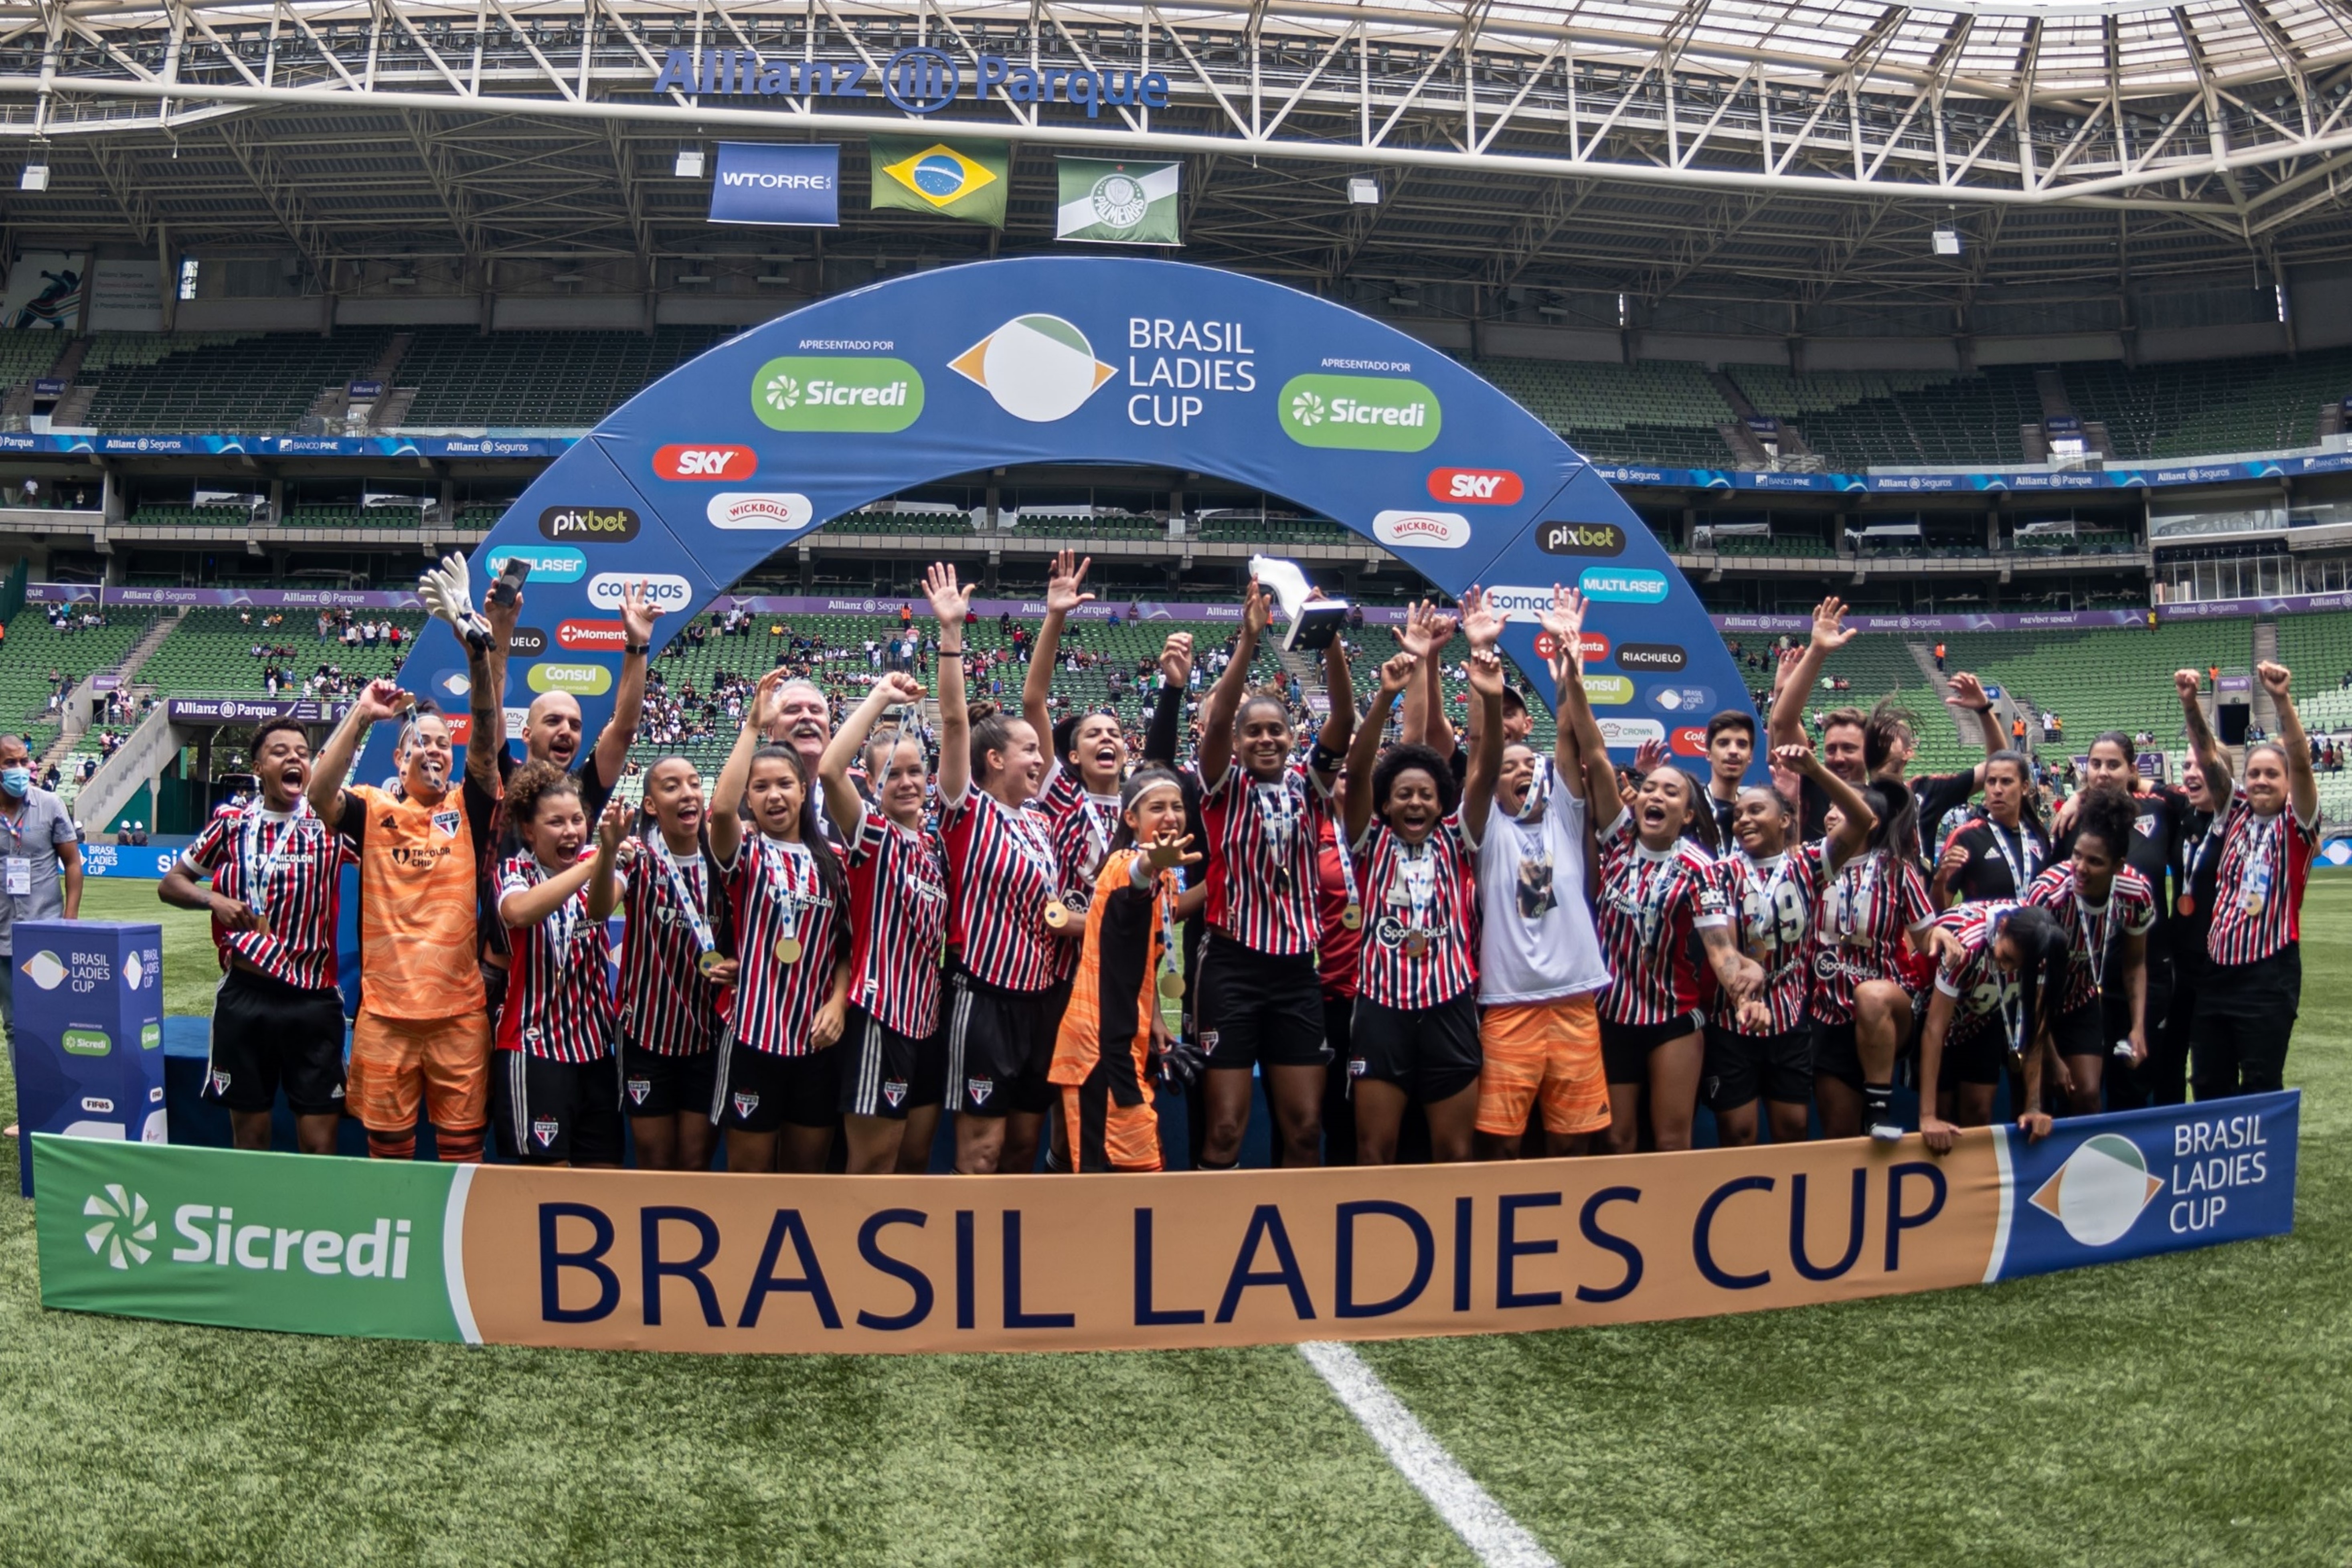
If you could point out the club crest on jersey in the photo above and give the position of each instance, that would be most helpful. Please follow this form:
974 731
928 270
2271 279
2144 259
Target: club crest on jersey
895 1092
446 824
220 1081
1357 1066
2144 826
979 1089
1209 1042
639 1088
544 1128
746 1104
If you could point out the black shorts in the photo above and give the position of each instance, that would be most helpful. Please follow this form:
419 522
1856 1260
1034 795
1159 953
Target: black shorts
653 1084
267 1033
998 1048
1741 1067
1835 1055
878 1078
2083 1031
1431 1053
1625 1048
760 1092
549 1111
1979 1056
1260 1009
2244 1022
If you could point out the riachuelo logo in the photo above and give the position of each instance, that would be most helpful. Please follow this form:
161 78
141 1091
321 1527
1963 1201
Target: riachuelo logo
1359 413
1037 367
124 1228
836 393
2098 1194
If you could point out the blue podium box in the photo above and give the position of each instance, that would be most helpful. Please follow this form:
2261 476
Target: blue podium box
90 1032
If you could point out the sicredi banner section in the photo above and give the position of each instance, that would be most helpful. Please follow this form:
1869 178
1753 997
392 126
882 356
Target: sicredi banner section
623 1261
1111 360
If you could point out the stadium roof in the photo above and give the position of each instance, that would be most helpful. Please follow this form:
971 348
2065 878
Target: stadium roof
1764 157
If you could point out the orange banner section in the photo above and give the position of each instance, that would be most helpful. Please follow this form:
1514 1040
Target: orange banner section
623 1261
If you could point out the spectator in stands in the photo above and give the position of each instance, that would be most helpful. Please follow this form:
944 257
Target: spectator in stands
1940 658
2017 732
40 866
32 491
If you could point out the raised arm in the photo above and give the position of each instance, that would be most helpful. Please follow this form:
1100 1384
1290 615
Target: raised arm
1365 749
1857 818
1831 633
613 843
2211 757
1484 628
1062 596
1224 700
1427 630
1165 733
2303 787
1967 692
1565 621
486 696
1340 685
950 602
528 906
378 699
842 801
629 698
727 795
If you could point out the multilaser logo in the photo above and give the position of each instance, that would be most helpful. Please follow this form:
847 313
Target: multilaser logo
807 393
1360 413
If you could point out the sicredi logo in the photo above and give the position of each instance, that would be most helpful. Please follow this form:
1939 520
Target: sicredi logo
704 464
1659 655
1596 646
1580 538
548 563
1623 585
1359 413
591 636
1608 690
816 393
599 524
663 591
579 680
216 1237
1480 487
1424 530
759 510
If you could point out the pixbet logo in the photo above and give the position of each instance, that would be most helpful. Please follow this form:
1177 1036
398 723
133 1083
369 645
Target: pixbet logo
1580 538
1480 487
704 463
1424 530
597 524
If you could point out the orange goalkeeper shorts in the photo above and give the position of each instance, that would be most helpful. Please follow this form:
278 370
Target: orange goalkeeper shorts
1547 1052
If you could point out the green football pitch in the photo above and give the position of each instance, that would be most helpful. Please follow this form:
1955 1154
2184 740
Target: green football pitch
2191 1409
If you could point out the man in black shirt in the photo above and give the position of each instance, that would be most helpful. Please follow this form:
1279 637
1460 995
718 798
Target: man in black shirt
1731 747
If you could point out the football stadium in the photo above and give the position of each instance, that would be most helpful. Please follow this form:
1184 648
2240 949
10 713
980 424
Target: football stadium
1511 782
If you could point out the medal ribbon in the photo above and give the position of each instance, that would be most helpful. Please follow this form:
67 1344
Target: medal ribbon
2019 879
688 896
260 868
784 884
1418 868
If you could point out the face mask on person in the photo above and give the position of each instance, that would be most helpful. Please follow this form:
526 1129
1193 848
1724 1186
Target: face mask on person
16 781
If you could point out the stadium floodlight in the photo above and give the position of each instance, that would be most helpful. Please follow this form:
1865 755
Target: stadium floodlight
1551 310
1947 242
690 163
567 276
773 280
1363 191
691 279
1404 302
35 177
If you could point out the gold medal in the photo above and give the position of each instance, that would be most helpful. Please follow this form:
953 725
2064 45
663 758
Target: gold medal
788 950
1416 945
1057 914
2186 904
2253 903
1352 917
1171 985
707 962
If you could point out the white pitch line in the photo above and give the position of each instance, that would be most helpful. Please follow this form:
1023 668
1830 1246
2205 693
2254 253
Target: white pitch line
1485 1525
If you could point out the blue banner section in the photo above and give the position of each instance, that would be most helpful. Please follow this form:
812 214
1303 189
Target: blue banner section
20 441
90 1032
2143 476
147 862
2137 1183
794 185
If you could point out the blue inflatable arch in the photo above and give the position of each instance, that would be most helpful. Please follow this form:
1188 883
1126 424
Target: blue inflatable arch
707 473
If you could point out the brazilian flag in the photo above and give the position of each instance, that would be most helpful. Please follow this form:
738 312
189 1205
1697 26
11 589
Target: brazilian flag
966 180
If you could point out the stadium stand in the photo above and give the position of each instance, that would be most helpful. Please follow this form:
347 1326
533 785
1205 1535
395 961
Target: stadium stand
1957 420
34 647
1661 411
260 384
2099 681
2210 406
538 378
211 652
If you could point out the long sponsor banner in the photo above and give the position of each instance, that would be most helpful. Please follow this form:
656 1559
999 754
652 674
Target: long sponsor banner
628 1260
252 710
257 598
139 862
168 445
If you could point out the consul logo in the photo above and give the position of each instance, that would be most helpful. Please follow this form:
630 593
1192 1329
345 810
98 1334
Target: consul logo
1424 530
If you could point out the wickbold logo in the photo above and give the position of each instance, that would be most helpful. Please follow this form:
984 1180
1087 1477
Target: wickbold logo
596 524
704 464
1038 368
1421 529
1580 538
759 510
124 1230
1359 413
814 393
1478 487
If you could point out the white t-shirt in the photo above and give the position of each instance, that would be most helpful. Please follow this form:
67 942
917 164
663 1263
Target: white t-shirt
1536 941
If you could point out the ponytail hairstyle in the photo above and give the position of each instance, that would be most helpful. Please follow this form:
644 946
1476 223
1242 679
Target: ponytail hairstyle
1898 811
2106 814
1144 779
2044 952
991 731
2027 810
2121 742
1701 825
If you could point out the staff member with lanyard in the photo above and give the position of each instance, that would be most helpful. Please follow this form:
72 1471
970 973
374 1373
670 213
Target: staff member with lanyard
1995 858
40 866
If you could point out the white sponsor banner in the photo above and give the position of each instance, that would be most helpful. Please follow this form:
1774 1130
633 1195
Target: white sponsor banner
125 296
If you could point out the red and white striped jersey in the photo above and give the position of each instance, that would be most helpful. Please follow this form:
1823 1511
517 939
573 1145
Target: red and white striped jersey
667 1006
559 1002
1083 826
1338 950
1858 929
1985 994
286 865
1421 916
778 894
1001 872
1771 904
1651 903
1261 857
897 918
2130 910
2258 890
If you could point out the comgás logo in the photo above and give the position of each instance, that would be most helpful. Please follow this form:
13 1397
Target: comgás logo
591 636
1580 538
1658 655
704 463
1427 530
596 524
665 591
1480 487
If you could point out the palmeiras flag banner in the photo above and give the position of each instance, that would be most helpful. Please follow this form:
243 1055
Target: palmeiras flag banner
1106 201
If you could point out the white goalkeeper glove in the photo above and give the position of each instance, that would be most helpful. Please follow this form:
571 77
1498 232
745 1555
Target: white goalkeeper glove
447 591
